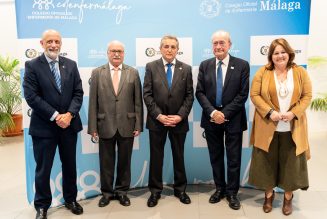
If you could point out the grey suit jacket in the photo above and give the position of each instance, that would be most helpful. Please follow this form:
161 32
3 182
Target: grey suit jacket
159 99
109 112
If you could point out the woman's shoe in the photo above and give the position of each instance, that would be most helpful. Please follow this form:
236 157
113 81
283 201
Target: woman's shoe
287 206
267 205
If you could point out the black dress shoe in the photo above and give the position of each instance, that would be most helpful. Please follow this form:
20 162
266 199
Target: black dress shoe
217 196
234 202
74 207
103 201
41 213
183 197
153 199
124 200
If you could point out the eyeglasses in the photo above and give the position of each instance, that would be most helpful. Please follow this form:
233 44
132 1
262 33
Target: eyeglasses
116 51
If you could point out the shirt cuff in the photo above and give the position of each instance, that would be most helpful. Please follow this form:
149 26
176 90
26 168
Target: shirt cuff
54 116
211 114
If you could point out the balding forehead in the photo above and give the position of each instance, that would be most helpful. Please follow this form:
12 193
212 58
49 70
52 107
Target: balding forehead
49 33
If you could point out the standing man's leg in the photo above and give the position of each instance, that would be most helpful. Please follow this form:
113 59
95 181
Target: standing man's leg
44 151
233 144
123 180
67 152
157 145
215 141
177 141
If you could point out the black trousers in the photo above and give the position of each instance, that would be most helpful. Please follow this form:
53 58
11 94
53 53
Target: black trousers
107 155
157 144
44 151
216 146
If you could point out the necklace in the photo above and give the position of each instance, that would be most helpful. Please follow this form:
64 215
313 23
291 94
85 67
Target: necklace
283 90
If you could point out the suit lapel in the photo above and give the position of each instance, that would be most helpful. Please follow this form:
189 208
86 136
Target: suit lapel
229 72
162 73
63 73
107 76
178 72
123 76
47 71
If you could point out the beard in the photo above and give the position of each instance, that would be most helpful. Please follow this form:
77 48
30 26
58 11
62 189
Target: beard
52 54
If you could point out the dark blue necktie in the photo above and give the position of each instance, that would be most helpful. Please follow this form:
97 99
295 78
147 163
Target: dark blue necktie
219 83
55 73
169 74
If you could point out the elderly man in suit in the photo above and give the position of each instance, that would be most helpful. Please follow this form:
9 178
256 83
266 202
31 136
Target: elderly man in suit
53 89
116 117
168 96
222 90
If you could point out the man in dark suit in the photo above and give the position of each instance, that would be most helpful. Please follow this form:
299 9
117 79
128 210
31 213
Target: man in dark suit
115 116
53 89
168 96
222 90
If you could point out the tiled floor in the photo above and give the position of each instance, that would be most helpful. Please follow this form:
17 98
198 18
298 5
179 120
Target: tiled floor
307 204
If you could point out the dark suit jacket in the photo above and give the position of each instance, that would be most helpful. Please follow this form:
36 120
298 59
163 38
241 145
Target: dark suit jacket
235 93
42 95
160 100
109 112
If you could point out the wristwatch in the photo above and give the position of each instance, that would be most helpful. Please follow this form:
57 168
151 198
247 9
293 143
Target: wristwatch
269 113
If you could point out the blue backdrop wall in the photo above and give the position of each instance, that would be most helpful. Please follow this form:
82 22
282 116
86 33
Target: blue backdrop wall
88 25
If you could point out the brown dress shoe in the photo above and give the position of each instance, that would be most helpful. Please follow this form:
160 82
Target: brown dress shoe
267 205
287 206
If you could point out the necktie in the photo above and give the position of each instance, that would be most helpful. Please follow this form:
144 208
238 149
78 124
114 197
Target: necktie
169 74
115 80
55 73
219 85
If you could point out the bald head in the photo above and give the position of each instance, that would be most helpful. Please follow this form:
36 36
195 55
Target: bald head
51 43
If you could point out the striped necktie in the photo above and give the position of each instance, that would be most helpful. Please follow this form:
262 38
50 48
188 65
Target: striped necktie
55 73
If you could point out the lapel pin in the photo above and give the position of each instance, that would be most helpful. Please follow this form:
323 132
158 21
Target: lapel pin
232 67
63 66
180 68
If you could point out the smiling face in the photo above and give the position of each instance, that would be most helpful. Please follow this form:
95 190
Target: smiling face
116 53
51 43
169 49
280 57
221 44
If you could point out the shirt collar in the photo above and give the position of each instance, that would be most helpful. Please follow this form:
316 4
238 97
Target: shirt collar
50 60
165 62
120 67
225 60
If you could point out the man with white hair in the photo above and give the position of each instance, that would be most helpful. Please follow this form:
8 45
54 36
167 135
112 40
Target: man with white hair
222 90
115 117
53 89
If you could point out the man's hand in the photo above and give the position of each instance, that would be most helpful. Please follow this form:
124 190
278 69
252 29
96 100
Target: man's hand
170 120
63 120
218 117
136 133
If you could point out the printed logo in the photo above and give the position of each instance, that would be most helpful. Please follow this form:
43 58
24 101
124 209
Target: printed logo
264 50
31 53
210 8
29 112
150 52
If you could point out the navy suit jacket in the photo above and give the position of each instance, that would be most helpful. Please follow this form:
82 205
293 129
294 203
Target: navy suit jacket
235 93
159 99
43 96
